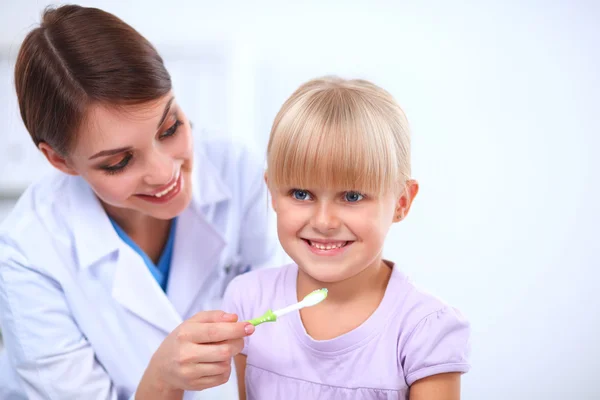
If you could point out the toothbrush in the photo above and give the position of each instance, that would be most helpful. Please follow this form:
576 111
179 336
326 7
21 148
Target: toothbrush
311 299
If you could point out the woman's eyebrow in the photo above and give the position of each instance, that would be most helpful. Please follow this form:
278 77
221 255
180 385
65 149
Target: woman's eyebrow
122 149
165 113
110 152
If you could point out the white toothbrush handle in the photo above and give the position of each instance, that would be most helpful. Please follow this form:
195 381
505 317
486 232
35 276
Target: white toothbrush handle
288 309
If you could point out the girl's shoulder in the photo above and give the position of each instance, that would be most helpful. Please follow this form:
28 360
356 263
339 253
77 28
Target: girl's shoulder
432 336
259 290
413 302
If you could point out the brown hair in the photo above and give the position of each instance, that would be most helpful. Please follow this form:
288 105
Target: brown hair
80 56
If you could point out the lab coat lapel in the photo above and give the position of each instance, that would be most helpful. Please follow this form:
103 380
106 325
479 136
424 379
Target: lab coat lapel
195 256
133 286
198 243
135 289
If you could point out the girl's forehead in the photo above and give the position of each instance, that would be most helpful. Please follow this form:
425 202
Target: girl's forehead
327 184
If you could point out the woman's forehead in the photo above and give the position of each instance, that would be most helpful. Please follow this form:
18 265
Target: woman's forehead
107 127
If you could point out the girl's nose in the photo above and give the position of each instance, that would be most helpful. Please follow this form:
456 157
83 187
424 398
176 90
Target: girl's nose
325 219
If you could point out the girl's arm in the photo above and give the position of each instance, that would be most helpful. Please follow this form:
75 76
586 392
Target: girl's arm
437 387
240 368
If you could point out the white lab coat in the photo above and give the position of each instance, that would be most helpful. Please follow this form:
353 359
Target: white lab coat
80 313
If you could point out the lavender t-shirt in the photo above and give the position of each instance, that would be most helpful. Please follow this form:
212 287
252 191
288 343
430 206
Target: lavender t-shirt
411 335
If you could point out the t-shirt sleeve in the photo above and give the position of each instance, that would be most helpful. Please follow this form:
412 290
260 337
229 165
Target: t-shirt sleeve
439 343
233 301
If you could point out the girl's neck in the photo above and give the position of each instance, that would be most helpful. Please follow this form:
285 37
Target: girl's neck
149 233
372 279
349 303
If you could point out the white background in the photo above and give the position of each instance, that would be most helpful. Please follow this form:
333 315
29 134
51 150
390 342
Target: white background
503 102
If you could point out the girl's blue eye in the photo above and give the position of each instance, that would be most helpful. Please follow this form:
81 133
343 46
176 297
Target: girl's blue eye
353 197
300 194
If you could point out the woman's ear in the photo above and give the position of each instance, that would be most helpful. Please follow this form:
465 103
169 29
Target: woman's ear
59 162
411 188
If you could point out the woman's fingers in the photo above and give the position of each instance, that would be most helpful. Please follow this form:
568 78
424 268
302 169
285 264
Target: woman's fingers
206 370
216 352
215 332
205 375
192 353
198 354
214 316
210 381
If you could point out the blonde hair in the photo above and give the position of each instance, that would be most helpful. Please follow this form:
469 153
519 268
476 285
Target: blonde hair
345 134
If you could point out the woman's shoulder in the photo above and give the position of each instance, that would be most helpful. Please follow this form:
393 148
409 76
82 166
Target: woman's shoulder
225 153
228 169
39 215
36 201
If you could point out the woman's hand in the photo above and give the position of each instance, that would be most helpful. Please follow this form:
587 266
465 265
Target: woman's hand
195 356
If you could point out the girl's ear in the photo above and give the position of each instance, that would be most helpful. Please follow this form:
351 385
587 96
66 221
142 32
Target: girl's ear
270 194
405 200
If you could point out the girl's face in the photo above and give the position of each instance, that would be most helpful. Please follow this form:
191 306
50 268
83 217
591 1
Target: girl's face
335 235
137 158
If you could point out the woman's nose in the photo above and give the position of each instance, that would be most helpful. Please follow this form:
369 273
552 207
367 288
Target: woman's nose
160 169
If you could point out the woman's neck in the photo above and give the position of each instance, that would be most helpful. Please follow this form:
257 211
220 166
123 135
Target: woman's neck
349 303
149 233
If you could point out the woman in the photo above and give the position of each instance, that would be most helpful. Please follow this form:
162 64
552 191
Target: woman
107 265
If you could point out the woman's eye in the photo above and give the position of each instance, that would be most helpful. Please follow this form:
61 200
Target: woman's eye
118 167
353 197
172 130
300 194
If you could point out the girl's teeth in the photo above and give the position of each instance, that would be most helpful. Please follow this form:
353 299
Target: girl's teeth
328 246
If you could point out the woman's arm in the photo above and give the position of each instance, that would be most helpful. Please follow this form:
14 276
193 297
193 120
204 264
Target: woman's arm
437 387
52 357
240 368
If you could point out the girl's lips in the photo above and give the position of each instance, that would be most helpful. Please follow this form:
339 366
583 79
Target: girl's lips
328 248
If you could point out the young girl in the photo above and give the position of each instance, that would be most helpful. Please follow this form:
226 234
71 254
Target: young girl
339 175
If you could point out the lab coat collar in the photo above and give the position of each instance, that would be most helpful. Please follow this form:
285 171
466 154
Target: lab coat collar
93 234
208 187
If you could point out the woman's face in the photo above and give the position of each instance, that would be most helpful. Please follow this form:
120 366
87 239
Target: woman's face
137 158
